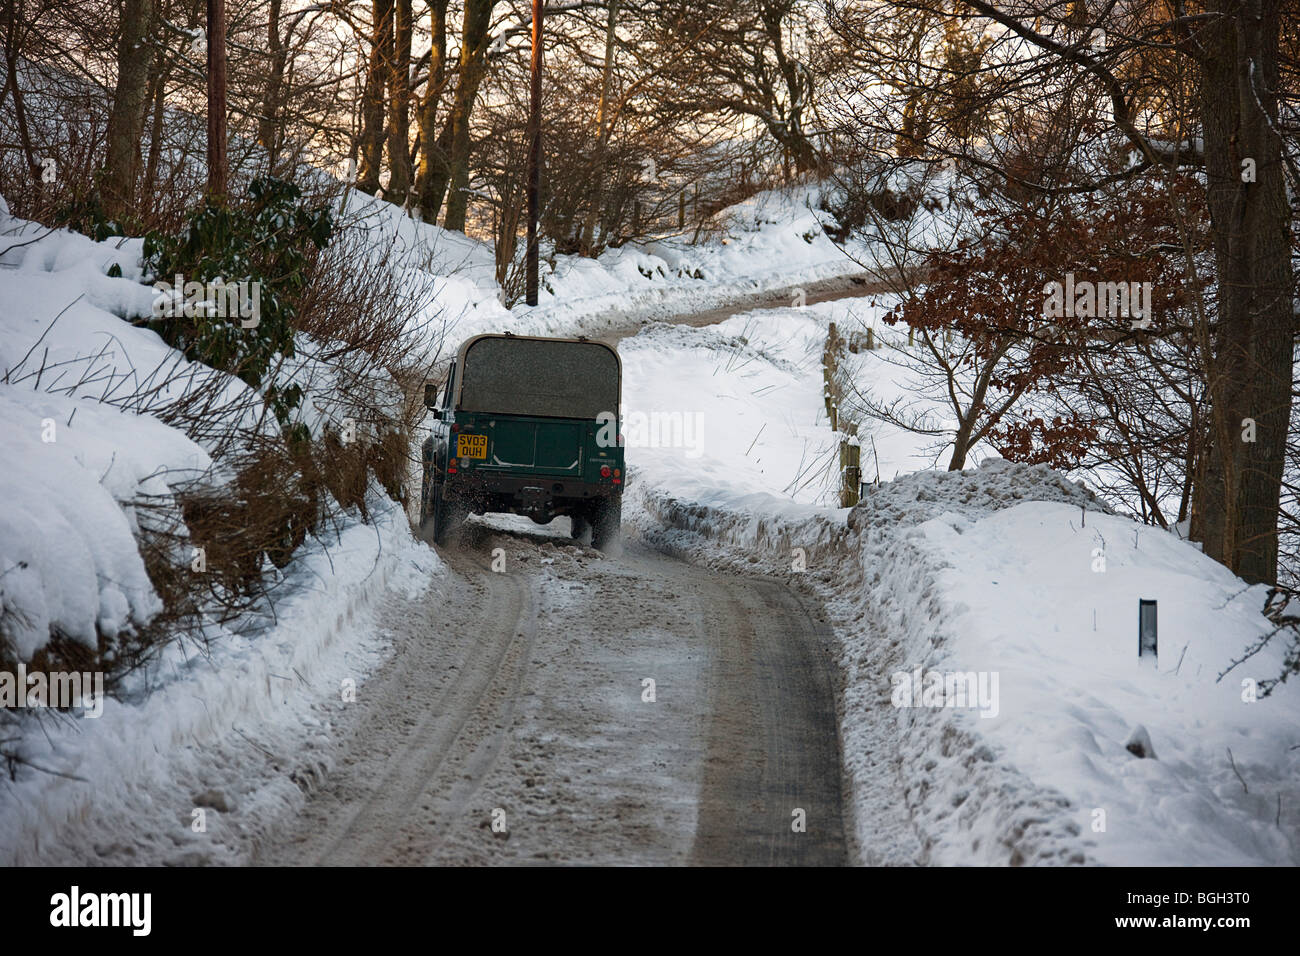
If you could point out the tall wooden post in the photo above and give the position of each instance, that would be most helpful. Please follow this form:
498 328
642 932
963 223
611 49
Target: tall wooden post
534 157
217 165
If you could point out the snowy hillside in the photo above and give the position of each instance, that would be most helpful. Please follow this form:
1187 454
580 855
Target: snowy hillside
775 242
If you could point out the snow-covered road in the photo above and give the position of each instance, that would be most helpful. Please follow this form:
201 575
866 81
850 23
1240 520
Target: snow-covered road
519 697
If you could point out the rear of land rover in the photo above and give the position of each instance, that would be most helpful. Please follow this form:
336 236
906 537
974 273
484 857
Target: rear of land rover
530 426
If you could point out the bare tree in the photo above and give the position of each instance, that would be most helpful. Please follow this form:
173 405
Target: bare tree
1070 73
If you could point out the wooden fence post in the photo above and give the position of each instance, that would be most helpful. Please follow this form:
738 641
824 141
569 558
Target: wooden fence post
850 468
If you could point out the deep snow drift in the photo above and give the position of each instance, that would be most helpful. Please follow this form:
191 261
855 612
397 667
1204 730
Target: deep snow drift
82 446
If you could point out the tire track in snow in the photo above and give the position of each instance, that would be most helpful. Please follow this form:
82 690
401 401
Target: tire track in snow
773 747
543 716
377 808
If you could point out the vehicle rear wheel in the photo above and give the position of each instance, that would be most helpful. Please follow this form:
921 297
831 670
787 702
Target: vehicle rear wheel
448 516
578 526
606 520
424 501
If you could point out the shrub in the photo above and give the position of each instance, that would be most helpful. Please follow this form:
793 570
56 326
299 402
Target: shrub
270 239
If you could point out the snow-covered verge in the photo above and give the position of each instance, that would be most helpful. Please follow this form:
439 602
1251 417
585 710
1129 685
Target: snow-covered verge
200 767
77 448
1007 574
68 554
85 438
1049 603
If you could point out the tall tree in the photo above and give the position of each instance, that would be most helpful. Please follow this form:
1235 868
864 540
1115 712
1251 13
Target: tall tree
1235 514
218 166
378 71
603 128
269 126
755 62
432 174
474 37
399 101
126 117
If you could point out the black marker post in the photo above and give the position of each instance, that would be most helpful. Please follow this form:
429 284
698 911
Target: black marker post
1147 629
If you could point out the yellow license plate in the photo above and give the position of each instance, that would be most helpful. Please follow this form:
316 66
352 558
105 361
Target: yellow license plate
471 446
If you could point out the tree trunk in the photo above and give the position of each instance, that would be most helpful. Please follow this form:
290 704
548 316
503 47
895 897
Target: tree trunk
798 87
534 155
1236 511
431 182
399 98
473 65
218 169
372 98
961 443
157 96
440 175
268 126
126 118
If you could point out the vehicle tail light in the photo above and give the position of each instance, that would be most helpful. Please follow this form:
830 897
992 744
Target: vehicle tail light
617 472
604 471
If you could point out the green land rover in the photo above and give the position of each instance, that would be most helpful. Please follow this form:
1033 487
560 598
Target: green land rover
526 425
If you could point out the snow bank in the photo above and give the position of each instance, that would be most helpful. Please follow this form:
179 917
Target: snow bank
968 804
80 446
133 777
1051 605
726 432
69 562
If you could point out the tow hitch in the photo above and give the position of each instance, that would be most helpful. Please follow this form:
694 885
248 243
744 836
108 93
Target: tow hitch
535 502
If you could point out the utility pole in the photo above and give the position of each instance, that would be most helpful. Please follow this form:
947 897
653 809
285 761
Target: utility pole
217 166
534 157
